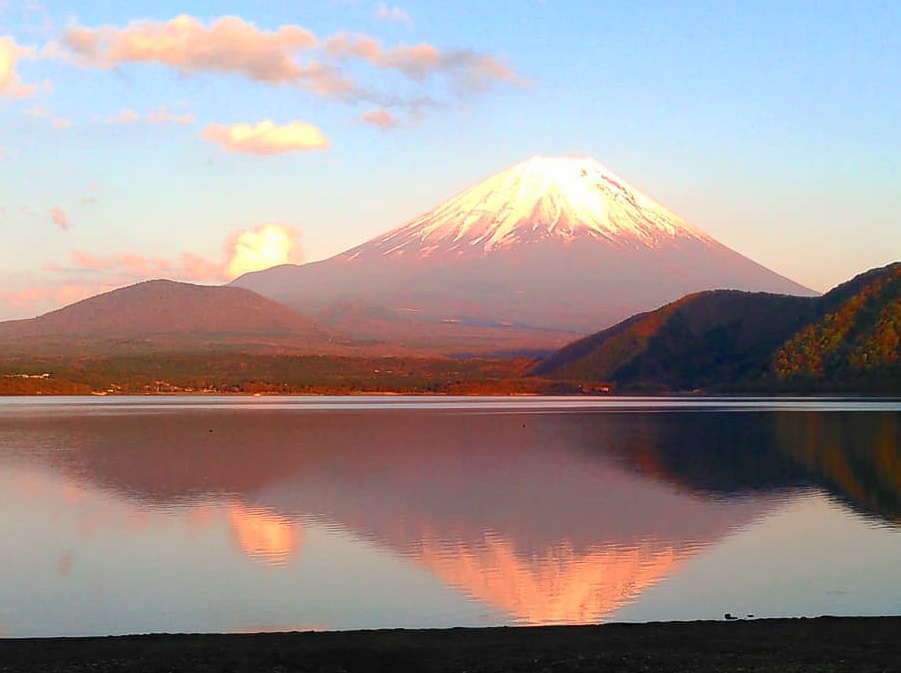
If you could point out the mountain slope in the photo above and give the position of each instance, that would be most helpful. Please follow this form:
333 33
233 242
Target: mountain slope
550 244
695 342
166 309
847 339
540 199
860 338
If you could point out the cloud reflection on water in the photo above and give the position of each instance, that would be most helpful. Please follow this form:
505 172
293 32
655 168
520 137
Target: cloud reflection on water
264 535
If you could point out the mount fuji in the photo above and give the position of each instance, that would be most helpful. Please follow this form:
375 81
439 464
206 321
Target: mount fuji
546 249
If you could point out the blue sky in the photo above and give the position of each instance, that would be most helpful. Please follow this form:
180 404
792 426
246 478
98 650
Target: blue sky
132 144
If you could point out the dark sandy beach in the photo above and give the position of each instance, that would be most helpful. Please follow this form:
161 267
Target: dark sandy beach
822 644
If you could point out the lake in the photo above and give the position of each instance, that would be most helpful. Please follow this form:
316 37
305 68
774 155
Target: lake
227 514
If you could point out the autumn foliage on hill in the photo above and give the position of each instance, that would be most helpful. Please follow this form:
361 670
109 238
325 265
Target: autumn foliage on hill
699 341
848 340
861 338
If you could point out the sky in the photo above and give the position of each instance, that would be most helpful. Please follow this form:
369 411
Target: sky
196 140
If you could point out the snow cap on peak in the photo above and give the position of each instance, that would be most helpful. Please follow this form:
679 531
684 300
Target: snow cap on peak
560 198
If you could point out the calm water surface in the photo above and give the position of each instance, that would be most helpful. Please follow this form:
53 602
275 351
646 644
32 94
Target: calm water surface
131 515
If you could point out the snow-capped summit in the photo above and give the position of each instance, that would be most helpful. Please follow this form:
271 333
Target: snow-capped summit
561 198
543 250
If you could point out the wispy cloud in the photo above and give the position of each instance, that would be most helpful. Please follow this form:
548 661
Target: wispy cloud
160 115
125 263
10 54
42 112
90 196
38 111
124 117
394 15
37 298
266 137
381 118
467 71
163 115
59 217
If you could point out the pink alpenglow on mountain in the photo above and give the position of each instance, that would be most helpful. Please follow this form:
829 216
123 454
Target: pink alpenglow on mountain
551 244
541 199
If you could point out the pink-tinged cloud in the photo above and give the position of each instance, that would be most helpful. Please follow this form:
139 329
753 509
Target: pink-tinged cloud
59 217
90 197
10 54
394 15
38 112
467 71
228 45
126 268
42 112
381 118
198 269
163 115
87 274
38 299
266 137
127 264
125 116
287 55
245 250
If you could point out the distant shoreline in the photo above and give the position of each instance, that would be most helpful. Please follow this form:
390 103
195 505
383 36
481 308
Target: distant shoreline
861 644
490 395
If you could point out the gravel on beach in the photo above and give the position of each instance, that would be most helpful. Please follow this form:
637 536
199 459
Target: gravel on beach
857 644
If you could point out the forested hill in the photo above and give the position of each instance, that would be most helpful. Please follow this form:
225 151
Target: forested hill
844 341
854 346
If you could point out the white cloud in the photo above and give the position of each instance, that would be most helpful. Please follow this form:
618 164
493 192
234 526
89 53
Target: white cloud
263 247
266 137
10 54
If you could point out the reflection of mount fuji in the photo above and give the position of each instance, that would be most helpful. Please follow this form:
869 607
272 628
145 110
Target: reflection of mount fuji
551 517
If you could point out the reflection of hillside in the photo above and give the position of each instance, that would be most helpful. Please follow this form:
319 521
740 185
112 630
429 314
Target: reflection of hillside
718 454
856 456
